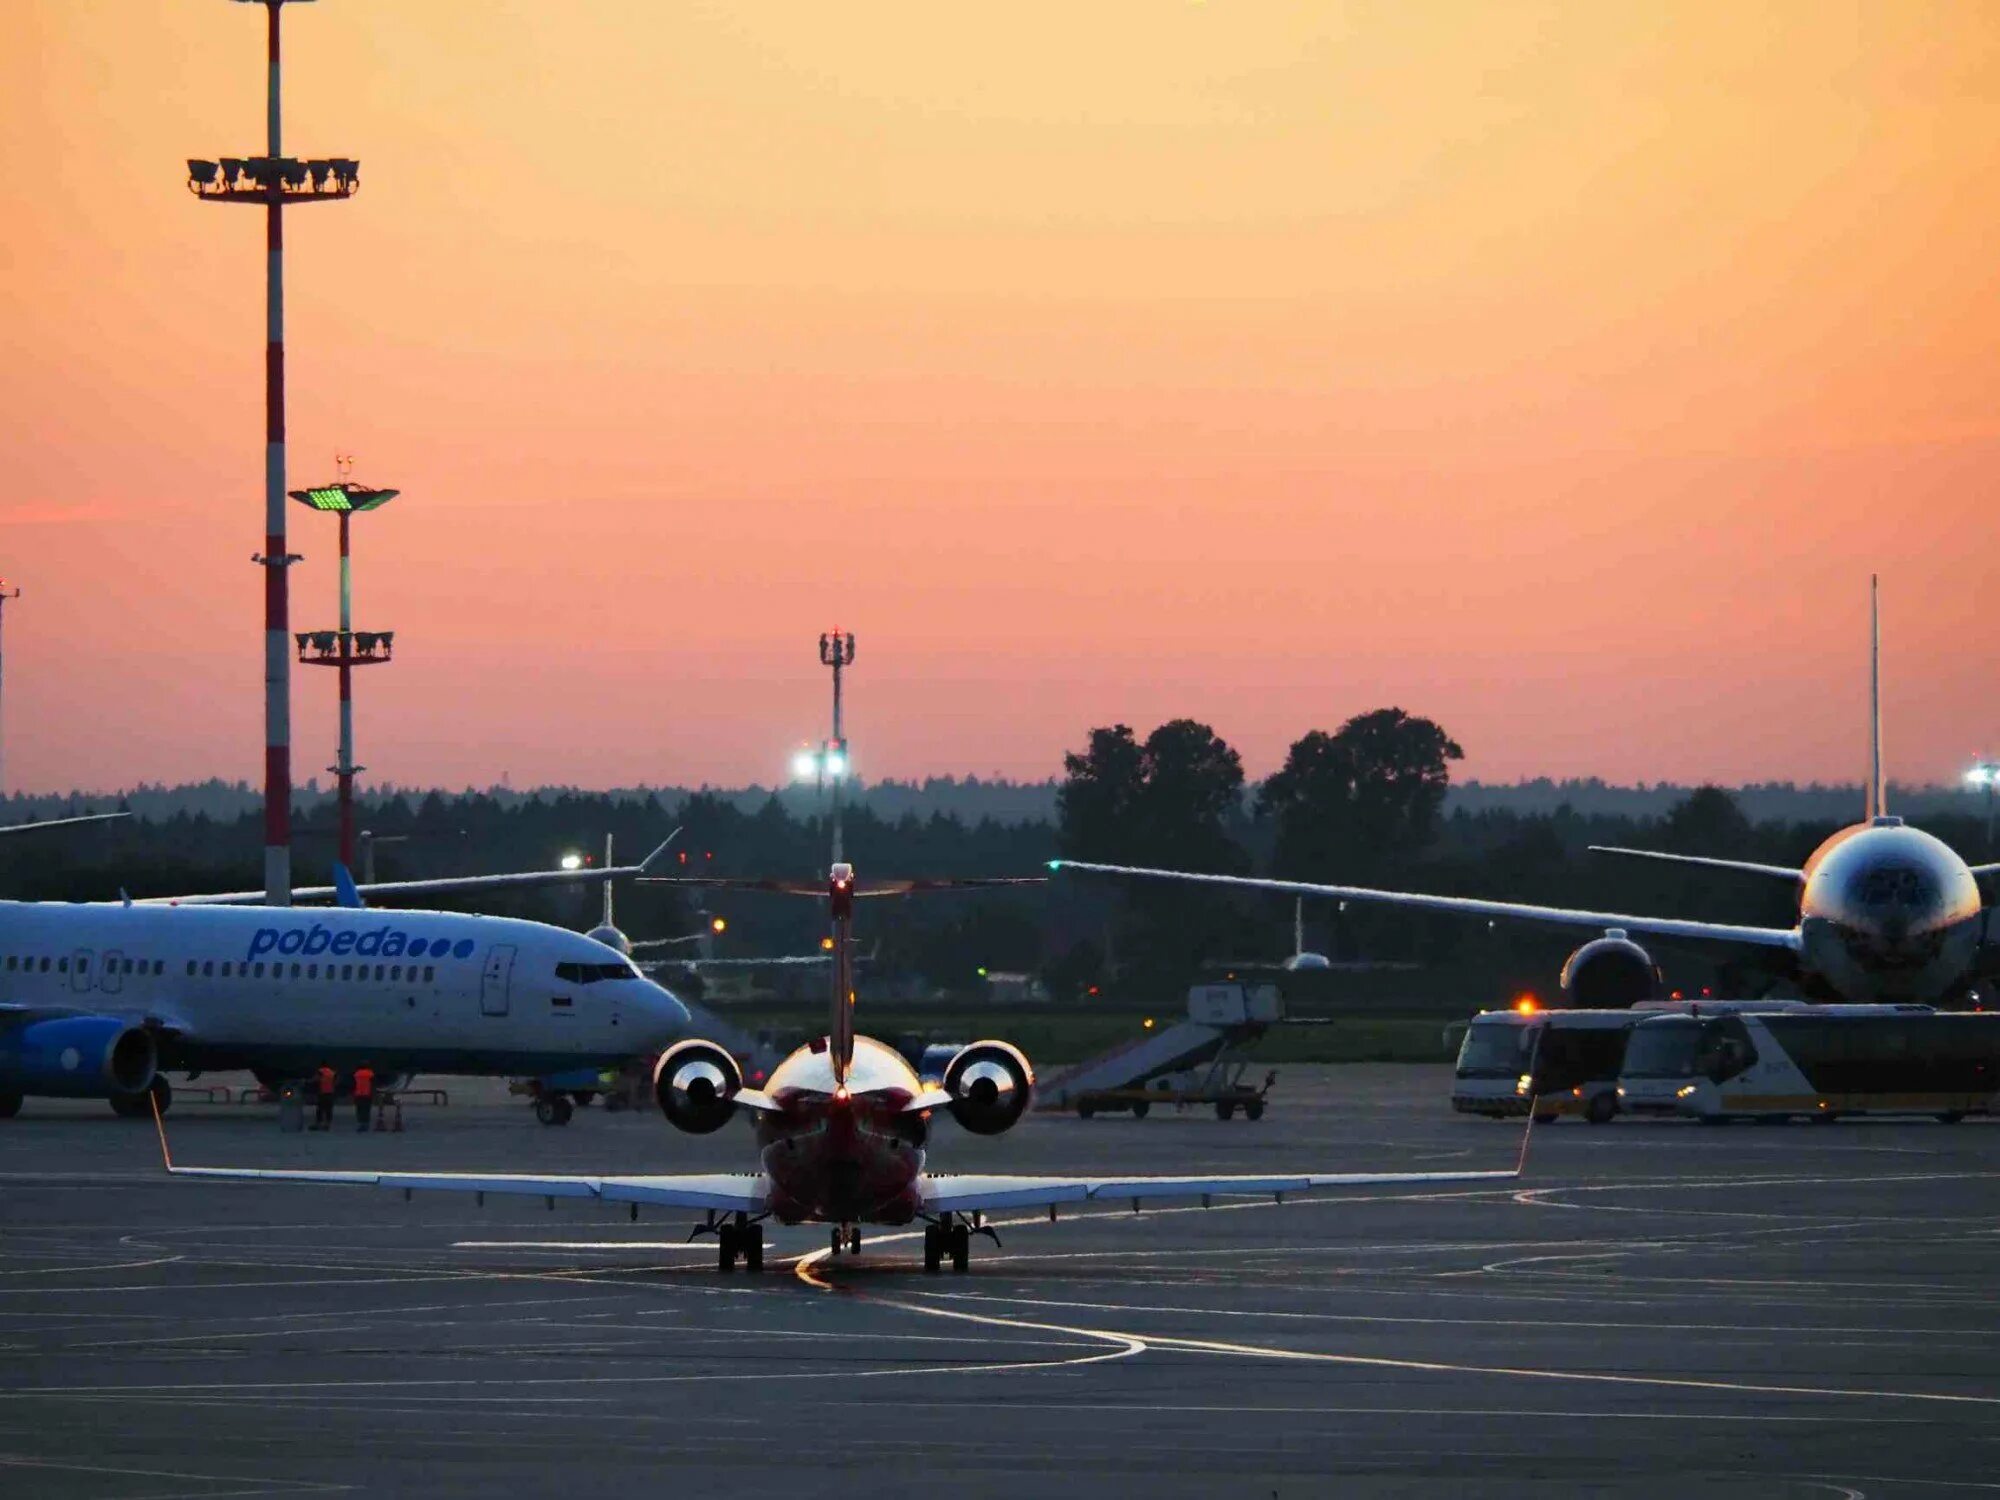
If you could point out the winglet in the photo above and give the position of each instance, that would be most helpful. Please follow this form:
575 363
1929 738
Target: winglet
648 862
345 892
160 1126
1878 802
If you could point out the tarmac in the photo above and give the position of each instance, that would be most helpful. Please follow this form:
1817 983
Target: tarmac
1654 1309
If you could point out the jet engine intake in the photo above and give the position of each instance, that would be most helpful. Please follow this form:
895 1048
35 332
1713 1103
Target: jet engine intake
990 1084
78 1057
695 1083
1610 973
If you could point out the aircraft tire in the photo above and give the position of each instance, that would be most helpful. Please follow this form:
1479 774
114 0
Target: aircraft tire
854 1240
753 1247
10 1104
725 1248
1139 1109
961 1248
933 1249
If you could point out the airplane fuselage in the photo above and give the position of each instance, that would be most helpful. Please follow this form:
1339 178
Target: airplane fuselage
1888 913
844 1154
283 990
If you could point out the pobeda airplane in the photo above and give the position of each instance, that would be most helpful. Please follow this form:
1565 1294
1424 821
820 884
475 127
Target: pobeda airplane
842 1127
100 1001
1886 912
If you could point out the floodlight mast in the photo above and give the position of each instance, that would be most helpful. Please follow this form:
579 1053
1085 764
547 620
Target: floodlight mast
275 180
836 651
344 649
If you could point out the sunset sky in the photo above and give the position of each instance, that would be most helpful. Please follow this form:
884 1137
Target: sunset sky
1557 371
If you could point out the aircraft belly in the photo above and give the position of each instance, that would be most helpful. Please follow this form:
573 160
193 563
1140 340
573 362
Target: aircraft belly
858 1174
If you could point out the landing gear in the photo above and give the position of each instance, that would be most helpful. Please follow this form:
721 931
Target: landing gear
743 1242
140 1106
953 1239
553 1109
845 1237
854 1239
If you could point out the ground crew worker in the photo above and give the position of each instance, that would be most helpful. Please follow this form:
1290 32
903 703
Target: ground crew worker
323 1106
364 1095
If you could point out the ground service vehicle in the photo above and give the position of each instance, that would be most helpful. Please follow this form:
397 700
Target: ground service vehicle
1563 1061
1820 1061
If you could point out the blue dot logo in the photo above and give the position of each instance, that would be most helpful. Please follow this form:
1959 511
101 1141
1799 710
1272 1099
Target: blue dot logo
462 948
440 947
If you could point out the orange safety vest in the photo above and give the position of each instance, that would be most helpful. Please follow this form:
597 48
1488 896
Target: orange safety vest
364 1082
327 1078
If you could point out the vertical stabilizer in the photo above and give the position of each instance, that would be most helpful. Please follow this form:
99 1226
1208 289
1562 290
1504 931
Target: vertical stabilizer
840 1024
607 884
1877 787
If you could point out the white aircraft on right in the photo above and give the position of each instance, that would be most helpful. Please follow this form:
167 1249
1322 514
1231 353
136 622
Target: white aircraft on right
1886 912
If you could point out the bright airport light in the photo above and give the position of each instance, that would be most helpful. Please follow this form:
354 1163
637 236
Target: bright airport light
805 766
1986 773
836 765
572 861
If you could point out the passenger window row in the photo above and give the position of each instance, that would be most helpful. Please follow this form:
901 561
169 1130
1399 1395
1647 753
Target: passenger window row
353 973
41 964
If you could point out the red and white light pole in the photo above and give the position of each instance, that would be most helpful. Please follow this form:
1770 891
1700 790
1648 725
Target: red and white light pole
345 648
275 180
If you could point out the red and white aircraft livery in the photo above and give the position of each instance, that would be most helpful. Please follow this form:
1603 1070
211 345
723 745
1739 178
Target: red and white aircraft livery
841 1129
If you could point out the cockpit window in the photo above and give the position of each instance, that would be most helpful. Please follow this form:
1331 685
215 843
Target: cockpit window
1893 885
592 973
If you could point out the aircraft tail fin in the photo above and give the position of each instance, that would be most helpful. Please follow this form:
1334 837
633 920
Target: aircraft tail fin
345 892
608 864
1877 788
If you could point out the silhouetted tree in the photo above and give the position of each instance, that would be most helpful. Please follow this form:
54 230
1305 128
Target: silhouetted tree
1348 801
1707 821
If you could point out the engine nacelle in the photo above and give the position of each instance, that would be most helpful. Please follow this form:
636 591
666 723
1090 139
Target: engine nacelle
1610 973
695 1083
990 1084
78 1057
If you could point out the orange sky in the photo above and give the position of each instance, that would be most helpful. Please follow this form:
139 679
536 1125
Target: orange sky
1558 371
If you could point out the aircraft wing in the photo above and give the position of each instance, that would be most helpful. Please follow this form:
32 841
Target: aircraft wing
61 822
444 886
1782 938
1740 866
1985 872
969 1193
724 1192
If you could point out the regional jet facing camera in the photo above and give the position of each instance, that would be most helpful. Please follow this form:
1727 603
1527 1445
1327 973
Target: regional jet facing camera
100 1001
842 1127
1886 912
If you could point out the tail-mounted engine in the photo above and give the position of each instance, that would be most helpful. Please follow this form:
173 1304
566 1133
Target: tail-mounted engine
696 1084
990 1084
1610 973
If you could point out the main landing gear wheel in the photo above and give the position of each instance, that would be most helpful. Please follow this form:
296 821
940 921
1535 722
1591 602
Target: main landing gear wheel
553 1109
933 1248
854 1240
739 1241
10 1104
140 1106
960 1238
